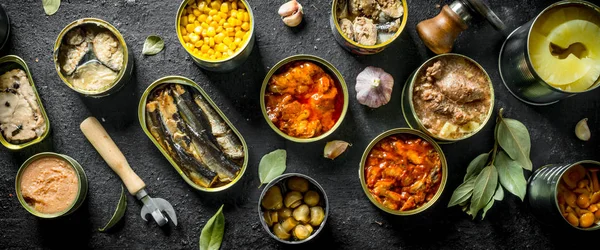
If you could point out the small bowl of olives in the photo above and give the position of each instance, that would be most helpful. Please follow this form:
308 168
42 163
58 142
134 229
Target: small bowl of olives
293 208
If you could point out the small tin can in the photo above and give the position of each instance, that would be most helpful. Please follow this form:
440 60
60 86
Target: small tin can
11 62
363 181
408 109
219 65
355 47
81 192
188 82
4 28
124 74
516 68
542 191
329 69
281 181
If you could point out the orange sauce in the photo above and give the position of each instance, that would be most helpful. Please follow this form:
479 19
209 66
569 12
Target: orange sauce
303 100
403 172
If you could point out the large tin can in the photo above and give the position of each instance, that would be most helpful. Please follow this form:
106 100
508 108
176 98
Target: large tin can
329 69
355 47
124 74
363 180
188 82
542 191
516 68
408 109
81 191
281 181
11 62
4 28
219 65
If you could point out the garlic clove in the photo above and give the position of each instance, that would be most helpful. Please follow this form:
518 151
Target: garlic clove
333 149
291 13
582 131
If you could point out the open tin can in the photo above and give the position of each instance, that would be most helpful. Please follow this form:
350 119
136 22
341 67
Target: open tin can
355 47
81 190
543 189
282 182
142 115
11 62
220 65
516 68
125 72
408 108
417 134
340 84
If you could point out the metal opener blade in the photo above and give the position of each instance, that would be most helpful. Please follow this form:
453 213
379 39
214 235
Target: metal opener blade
95 133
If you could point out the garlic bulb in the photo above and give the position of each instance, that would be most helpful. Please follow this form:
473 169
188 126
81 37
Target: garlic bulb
374 87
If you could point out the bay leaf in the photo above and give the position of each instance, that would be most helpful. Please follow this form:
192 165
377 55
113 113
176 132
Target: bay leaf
153 45
476 165
511 175
50 6
514 139
499 195
212 233
462 193
272 165
119 212
486 208
483 190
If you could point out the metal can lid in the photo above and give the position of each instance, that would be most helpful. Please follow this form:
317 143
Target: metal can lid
478 6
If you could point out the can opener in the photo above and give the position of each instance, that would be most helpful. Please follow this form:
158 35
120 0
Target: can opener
99 138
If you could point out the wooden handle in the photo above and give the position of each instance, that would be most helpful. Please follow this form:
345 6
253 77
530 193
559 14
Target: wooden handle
439 33
95 133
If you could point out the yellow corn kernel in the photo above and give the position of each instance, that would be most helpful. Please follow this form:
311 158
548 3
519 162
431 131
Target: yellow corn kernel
197 12
224 7
204 25
214 24
186 39
233 13
219 38
231 34
189 45
237 41
215 5
216 18
232 46
196 23
202 18
227 41
204 32
219 29
223 15
213 57
199 44
211 52
204 48
195 38
211 31
231 21
196 51
184 21
209 19
191 18
238 22
183 31
198 30
238 29
212 12
245 26
241 6
189 28
246 36
246 17
219 55
208 2
226 24
201 4
206 40
184 12
211 42
230 30
206 10
222 22
239 34
234 5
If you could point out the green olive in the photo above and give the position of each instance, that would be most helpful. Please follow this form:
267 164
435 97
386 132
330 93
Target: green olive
316 216
297 184
293 199
280 233
272 199
311 198
301 232
284 213
301 213
288 224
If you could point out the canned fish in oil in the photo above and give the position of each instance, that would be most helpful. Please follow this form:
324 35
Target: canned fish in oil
15 70
351 45
91 57
225 14
143 118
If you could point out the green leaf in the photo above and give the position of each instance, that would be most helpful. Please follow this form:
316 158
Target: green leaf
153 45
511 175
50 6
212 233
476 165
462 193
271 165
499 195
486 208
119 212
513 137
485 185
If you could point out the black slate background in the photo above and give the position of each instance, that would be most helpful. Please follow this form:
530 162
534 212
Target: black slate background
354 223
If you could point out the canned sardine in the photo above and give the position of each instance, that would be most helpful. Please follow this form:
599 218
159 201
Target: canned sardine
92 58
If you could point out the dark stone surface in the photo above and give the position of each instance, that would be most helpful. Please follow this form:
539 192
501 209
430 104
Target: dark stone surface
354 223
